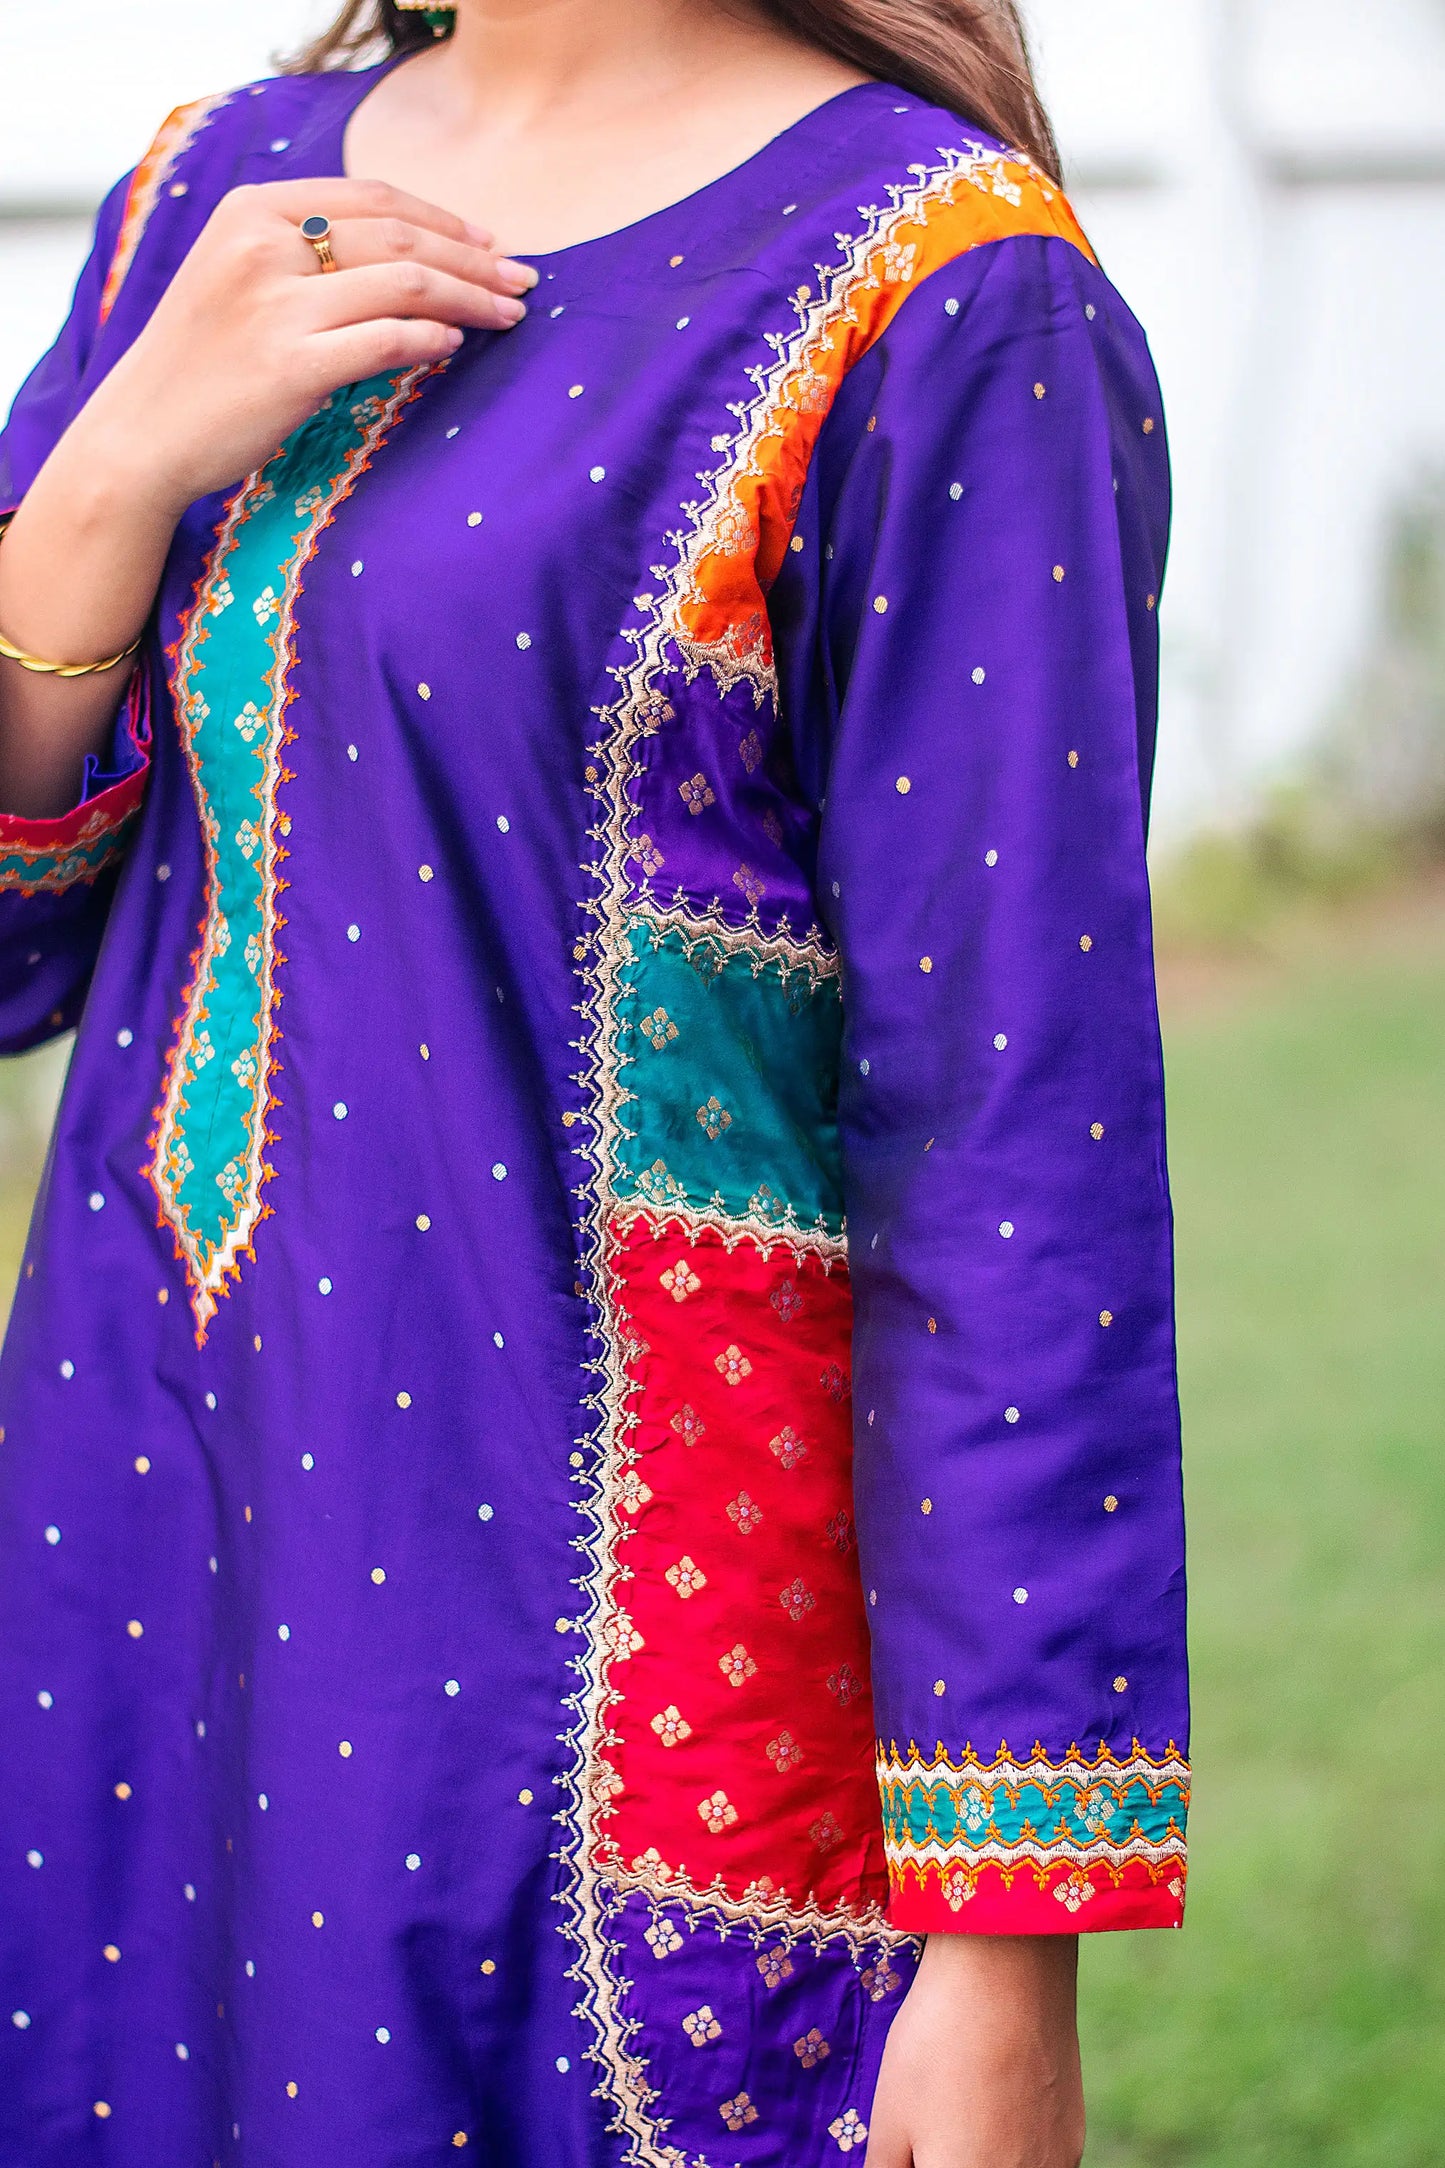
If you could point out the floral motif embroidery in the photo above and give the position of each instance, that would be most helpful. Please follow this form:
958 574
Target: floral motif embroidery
648 856
680 1280
773 828
733 1364
825 1832
738 2112
845 1684
751 885
840 1531
775 1967
879 1980
713 1117
751 750
662 1938
836 1382
797 1599
812 2048
1075 1892
659 1028
849 2130
632 1492
737 1666
718 1812
701 2026
784 1753
623 1639
671 1725
744 1514
689 1425
696 794
787 1301
788 1446
686 1578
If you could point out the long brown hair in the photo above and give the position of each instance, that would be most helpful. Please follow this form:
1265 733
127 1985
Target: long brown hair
969 55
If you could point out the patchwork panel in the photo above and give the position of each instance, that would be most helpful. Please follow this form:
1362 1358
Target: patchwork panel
732 1067
744 1732
755 2045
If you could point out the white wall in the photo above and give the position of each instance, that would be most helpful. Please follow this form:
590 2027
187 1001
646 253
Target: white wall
1265 180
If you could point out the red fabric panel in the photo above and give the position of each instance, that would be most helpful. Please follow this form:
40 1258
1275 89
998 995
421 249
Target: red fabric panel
743 1567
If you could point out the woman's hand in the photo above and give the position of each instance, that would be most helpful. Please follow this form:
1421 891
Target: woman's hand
247 341
251 335
981 2069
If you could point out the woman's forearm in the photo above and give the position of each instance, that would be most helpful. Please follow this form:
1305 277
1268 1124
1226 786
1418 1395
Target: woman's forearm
79 569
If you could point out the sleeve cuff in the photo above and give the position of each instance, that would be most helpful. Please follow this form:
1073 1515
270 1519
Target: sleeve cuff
72 848
1037 1847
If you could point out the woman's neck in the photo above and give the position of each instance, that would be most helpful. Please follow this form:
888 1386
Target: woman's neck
551 121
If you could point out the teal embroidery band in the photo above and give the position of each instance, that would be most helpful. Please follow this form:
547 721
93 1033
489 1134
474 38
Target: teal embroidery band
1035 1812
232 686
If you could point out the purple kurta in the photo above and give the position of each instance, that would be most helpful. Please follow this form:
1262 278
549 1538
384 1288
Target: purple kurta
590 1441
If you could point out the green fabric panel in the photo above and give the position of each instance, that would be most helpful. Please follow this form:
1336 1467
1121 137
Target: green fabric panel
735 1075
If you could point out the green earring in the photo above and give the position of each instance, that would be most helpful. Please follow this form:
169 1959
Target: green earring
440 21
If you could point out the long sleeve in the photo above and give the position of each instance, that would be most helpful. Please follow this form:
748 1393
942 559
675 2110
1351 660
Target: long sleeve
989 508
57 875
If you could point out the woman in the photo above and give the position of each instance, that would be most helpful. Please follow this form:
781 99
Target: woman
653 762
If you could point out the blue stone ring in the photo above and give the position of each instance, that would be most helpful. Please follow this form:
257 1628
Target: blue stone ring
317 230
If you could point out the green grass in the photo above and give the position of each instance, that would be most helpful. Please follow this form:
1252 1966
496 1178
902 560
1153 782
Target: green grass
1299 2021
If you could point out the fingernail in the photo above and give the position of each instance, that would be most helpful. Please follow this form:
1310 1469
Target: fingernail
511 312
454 337
521 273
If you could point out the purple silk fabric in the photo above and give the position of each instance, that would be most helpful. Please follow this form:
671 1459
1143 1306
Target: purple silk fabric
438 1997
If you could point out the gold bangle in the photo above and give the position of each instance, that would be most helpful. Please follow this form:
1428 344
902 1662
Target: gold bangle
41 668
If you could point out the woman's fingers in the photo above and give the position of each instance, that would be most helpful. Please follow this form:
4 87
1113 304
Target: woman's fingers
336 199
359 351
357 241
408 289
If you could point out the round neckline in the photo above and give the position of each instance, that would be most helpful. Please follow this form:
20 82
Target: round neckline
549 261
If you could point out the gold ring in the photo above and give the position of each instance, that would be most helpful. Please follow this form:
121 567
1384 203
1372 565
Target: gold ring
317 231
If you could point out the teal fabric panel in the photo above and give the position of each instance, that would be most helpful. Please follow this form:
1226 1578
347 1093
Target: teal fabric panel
734 1072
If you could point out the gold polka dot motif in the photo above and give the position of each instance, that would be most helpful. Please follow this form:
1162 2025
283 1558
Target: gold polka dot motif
1059 575
880 604
925 964
1040 391
123 1791
291 2088
525 1797
926 1506
111 1954
1121 1684
1106 1317
102 2109
1086 942
1111 1504
939 1687
1073 760
318 1919
489 1966
903 786
1096 1131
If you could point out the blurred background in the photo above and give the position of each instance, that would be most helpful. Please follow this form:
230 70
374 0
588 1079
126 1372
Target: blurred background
1265 181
